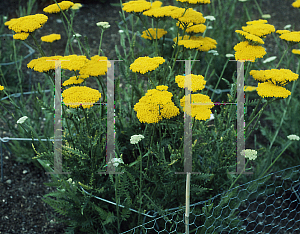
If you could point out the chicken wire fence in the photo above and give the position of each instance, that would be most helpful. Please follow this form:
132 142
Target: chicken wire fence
269 207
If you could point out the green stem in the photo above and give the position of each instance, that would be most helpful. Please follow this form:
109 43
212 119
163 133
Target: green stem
276 159
140 196
282 57
238 176
37 44
117 201
284 113
258 8
253 112
220 77
99 50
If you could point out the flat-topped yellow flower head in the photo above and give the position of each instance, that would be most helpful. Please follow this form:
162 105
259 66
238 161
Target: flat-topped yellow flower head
54 8
51 37
80 96
27 24
145 64
156 105
136 6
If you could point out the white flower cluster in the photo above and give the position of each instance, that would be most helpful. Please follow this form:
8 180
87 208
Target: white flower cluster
293 137
136 139
103 25
116 161
250 154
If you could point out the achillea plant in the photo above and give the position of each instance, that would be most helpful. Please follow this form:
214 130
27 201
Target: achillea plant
149 142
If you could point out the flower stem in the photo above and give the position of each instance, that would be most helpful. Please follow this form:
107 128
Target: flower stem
140 196
276 159
99 50
238 176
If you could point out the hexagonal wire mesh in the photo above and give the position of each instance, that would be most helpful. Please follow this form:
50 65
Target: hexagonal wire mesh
267 208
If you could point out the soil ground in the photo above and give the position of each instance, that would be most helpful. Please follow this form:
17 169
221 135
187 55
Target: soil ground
21 207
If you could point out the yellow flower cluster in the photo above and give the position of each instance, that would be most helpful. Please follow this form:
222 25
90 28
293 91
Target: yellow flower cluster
296 4
291 36
21 36
296 51
250 37
245 51
64 5
268 89
249 88
259 28
195 1
249 50
160 12
77 96
156 105
273 79
74 80
197 28
42 65
97 66
160 33
27 23
51 37
1 87
199 43
275 76
145 64
136 6
202 110
282 31
198 82
156 4
190 16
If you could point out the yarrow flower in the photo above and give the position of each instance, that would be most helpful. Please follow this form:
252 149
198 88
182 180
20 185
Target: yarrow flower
283 31
74 80
27 24
160 33
145 64
296 51
116 161
195 1
198 82
103 25
245 51
136 139
293 137
291 36
200 43
22 120
275 76
267 89
97 66
249 88
202 109
250 154
190 16
250 37
64 5
51 38
136 6
156 105
21 36
76 6
77 96
259 28
296 4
